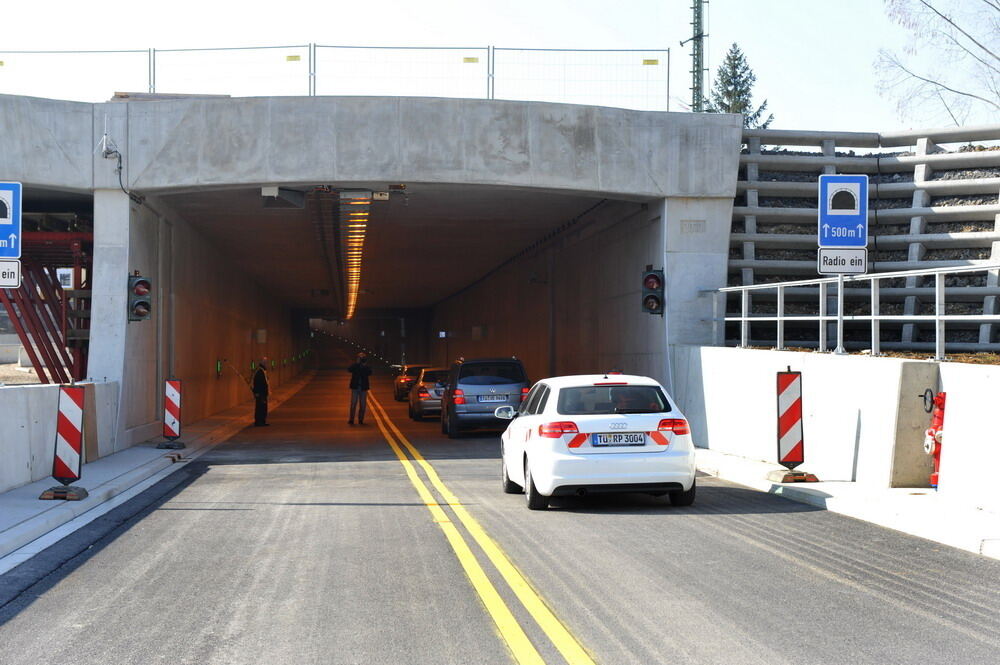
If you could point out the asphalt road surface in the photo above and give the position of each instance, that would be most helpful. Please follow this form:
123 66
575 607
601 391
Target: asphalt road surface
311 541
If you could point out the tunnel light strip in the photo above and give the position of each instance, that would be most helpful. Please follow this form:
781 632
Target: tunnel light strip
352 240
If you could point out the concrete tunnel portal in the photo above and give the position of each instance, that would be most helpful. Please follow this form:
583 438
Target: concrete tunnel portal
517 228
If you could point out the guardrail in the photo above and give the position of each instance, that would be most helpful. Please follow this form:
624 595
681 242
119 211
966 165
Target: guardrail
931 206
823 318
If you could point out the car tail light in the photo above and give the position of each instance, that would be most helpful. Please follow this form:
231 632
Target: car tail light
556 430
423 394
675 425
458 397
524 394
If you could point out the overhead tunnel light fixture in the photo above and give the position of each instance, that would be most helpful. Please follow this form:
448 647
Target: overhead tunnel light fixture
280 197
354 209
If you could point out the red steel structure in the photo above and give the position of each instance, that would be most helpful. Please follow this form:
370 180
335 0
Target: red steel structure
53 323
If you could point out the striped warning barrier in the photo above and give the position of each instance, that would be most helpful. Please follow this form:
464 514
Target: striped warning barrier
790 441
172 415
172 410
67 463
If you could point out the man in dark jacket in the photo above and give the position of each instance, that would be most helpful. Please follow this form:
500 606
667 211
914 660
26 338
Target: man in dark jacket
360 371
258 384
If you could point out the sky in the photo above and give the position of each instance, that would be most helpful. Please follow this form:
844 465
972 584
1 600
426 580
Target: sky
814 59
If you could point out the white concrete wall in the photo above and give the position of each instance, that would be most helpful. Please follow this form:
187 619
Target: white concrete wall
850 403
849 407
27 441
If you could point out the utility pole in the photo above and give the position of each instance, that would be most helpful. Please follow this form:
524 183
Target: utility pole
697 55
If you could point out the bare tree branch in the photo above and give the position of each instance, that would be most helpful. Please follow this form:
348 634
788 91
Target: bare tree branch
941 85
956 26
962 46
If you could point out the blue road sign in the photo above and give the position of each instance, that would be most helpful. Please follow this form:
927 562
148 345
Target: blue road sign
10 220
843 211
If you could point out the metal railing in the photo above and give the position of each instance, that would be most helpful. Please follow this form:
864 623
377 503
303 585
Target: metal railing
630 78
939 318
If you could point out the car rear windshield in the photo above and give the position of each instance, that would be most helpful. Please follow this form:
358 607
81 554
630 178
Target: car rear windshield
596 400
439 376
413 371
491 374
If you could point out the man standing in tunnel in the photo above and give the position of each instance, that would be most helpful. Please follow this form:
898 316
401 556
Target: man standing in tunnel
360 371
260 389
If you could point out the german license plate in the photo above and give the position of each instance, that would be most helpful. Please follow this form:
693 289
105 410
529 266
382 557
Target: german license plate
618 439
492 398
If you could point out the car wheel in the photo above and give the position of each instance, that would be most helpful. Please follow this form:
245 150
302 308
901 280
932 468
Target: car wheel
453 430
681 498
418 415
509 486
444 423
535 500
410 413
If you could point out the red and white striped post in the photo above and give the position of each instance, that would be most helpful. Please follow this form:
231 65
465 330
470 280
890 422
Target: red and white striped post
67 463
791 442
172 416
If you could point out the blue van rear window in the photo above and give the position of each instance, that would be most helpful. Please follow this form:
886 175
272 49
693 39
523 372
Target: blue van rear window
491 374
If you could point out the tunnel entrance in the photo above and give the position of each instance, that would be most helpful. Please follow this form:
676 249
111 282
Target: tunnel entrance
445 270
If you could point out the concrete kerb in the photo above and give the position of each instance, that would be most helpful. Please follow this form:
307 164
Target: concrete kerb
199 439
917 512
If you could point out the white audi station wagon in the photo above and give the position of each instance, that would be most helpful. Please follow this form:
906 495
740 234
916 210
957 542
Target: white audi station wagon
579 435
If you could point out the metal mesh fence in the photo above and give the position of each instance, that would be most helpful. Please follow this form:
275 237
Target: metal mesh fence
630 79
636 79
239 72
418 72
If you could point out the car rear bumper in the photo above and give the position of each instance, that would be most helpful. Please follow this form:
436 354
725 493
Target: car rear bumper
479 419
657 472
428 406
581 490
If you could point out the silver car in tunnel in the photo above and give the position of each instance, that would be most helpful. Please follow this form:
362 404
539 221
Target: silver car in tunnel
426 393
476 387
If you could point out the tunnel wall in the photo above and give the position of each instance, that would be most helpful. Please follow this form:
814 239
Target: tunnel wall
217 314
204 310
584 286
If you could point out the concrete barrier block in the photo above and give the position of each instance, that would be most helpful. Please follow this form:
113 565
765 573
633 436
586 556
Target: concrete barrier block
911 466
9 353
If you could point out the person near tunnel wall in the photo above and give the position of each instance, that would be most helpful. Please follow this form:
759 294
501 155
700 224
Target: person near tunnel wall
360 371
259 385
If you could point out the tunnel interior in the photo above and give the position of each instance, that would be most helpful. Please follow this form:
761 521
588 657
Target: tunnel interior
447 271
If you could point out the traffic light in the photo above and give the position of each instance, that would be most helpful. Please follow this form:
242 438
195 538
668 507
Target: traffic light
140 298
652 291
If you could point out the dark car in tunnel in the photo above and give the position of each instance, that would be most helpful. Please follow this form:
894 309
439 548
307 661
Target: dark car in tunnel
408 375
475 389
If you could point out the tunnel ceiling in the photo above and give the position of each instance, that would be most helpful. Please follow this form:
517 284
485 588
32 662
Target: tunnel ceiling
422 246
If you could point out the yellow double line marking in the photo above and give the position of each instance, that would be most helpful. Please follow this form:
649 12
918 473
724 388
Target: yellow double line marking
522 648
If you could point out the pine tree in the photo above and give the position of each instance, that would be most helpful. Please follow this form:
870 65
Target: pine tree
732 91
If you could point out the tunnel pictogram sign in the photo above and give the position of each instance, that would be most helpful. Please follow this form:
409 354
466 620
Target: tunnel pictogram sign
843 211
10 220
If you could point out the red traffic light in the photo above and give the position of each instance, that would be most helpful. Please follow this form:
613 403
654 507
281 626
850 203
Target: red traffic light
141 287
652 281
